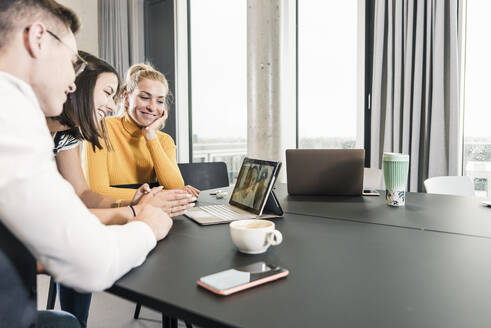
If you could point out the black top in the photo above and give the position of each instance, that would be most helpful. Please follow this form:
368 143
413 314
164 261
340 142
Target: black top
64 140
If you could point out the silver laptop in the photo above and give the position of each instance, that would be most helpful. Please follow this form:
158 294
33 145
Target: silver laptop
252 189
337 172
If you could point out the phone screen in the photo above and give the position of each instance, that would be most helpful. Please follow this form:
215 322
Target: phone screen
236 277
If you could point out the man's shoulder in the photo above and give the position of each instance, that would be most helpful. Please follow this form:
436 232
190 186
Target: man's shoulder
10 86
22 107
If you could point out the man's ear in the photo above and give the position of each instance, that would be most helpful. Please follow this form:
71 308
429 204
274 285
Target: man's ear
33 39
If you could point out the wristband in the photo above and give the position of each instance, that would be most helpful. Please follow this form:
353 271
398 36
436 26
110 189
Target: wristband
132 210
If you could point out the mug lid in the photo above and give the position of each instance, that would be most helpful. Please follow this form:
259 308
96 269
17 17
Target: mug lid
396 157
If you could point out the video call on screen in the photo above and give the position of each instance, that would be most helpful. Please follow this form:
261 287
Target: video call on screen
252 185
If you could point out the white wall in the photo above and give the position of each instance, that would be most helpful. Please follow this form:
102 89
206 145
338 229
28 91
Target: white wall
87 38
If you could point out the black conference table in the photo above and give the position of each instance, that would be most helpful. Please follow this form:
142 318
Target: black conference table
358 268
432 212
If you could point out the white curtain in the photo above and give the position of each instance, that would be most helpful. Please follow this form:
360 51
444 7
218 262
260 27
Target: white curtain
416 85
113 34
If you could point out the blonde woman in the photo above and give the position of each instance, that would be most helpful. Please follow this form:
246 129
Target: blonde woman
141 153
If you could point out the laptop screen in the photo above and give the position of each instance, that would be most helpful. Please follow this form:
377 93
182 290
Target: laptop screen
253 184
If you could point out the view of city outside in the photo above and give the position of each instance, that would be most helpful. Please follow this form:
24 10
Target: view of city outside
219 82
327 82
327 73
327 78
477 116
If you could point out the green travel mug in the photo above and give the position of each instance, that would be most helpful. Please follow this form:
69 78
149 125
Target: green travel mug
396 169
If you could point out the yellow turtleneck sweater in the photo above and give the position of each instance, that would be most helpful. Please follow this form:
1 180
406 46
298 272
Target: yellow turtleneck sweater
132 160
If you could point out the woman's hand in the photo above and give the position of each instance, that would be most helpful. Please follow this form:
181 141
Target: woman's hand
173 202
39 268
150 132
191 190
144 189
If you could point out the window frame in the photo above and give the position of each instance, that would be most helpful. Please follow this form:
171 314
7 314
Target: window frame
184 105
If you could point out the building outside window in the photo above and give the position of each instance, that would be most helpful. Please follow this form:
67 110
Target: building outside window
327 73
218 43
477 113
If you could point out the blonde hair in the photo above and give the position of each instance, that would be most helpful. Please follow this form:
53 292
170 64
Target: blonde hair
138 72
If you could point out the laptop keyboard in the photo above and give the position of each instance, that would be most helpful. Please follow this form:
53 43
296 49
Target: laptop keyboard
224 212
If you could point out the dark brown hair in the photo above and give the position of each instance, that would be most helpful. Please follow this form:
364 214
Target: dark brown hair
79 112
16 12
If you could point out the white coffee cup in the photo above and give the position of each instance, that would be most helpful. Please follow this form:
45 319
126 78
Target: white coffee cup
254 236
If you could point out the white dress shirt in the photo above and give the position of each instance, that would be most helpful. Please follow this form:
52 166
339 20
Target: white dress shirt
43 211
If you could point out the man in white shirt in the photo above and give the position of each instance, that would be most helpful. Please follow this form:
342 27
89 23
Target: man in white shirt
38 62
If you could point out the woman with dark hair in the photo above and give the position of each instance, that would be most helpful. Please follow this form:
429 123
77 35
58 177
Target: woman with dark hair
82 119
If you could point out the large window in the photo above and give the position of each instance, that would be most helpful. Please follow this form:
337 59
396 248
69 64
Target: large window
477 113
218 49
327 73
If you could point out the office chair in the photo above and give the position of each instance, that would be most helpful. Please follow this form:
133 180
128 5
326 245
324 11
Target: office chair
373 178
205 175
453 185
18 282
51 294
199 175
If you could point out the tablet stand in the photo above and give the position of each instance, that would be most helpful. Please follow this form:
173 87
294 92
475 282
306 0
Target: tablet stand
273 205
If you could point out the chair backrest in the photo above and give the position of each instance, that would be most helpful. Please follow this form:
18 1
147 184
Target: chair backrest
373 178
454 185
205 175
18 302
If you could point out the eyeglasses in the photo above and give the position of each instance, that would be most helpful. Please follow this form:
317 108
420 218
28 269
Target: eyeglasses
80 64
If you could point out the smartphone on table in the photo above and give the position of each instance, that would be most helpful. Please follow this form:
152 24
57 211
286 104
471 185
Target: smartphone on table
233 280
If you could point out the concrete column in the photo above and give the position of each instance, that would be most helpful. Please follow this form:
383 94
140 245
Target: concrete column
264 119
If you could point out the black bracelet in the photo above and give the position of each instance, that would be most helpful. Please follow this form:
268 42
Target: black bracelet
132 210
